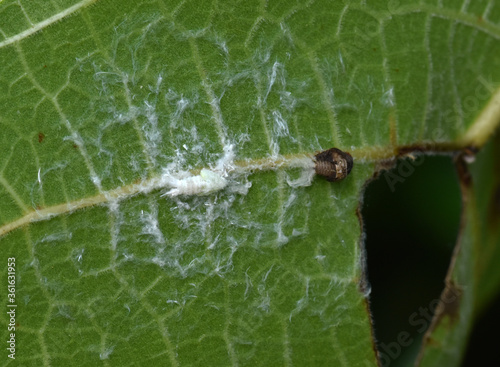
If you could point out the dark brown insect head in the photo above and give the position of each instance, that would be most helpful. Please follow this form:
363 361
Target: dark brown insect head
334 164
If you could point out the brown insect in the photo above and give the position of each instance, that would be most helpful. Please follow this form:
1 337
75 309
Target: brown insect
334 164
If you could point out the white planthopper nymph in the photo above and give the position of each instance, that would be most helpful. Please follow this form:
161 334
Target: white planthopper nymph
205 183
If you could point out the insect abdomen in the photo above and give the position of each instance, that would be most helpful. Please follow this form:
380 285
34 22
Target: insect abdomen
325 169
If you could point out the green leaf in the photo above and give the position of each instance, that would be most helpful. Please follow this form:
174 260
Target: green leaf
107 107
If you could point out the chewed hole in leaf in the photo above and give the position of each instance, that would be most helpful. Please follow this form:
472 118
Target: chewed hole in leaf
411 218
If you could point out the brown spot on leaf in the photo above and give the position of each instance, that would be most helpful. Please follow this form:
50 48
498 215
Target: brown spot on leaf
41 137
449 302
463 171
428 147
433 342
448 305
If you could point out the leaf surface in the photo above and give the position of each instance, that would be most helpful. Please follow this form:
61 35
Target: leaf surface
106 106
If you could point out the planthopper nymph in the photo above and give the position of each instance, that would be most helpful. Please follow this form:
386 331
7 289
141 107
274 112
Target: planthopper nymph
333 164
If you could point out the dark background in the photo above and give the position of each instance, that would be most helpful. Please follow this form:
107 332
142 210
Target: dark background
411 220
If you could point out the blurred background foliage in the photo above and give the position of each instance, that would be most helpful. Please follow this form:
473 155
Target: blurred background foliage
411 228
